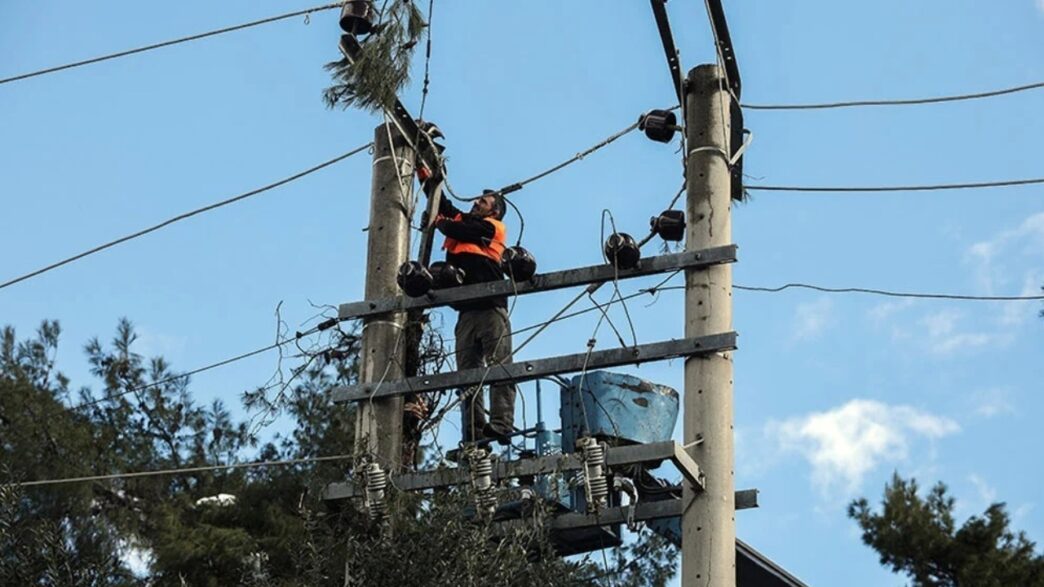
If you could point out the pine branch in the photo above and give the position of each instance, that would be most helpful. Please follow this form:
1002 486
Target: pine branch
383 67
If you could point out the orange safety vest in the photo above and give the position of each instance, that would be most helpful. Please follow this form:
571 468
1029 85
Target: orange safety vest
493 250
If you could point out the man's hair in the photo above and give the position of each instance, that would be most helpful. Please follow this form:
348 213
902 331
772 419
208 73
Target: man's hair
499 205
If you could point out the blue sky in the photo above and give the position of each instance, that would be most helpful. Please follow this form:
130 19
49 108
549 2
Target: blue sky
833 392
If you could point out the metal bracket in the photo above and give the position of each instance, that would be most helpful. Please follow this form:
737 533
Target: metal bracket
619 456
529 370
659 9
540 282
724 42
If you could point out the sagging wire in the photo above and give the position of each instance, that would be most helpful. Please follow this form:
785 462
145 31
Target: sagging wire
577 157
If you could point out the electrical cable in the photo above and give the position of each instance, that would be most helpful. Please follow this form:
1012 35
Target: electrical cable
195 37
907 102
179 471
881 292
907 188
427 62
327 324
181 217
577 157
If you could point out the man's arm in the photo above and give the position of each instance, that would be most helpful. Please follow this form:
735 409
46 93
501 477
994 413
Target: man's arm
468 229
447 209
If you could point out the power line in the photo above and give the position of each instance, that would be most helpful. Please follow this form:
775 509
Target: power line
878 292
195 37
523 183
905 188
324 325
908 102
180 217
172 378
894 294
180 471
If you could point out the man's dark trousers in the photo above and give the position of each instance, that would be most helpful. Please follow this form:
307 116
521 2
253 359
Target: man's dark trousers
483 339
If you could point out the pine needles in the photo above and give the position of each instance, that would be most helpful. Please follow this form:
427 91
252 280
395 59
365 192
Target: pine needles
383 68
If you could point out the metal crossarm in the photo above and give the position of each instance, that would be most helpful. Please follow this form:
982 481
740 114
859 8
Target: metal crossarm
614 457
529 370
541 282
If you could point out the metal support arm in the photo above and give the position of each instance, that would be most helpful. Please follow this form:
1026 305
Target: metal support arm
541 282
619 456
529 370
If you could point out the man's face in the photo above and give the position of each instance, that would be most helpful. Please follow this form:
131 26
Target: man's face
484 206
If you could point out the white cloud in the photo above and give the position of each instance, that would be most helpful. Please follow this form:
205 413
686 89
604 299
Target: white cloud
993 402
990 256
1016 313
151 344
987 493
813 318
846 443
941 336
882 312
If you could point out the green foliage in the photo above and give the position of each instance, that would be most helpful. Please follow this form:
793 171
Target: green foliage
383 66
275 532
917 536
49 535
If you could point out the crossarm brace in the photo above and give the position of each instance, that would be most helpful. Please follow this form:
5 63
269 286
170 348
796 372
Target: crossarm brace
541 282
529 370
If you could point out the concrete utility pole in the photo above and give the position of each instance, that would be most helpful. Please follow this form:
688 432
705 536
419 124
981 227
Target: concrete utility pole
378 429
709 518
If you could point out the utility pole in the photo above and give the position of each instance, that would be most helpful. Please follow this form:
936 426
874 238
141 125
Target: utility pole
378 429
709 517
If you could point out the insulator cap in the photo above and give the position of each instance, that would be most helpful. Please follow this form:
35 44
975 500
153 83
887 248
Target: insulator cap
414 279
670 225
622 250
519 264
357 17
445 275
659 125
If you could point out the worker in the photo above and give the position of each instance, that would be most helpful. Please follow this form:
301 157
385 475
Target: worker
475 242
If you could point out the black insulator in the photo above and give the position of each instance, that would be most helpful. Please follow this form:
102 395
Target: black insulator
659 125
670 225
357 17
414 279
431 129
445 275
622 250
519 264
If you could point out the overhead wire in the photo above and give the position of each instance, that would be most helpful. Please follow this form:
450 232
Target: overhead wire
577 157
427 62
195 37
297 336
178 471
903 188
899 102
184 216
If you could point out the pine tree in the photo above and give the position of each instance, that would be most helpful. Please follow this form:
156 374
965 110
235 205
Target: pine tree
917 536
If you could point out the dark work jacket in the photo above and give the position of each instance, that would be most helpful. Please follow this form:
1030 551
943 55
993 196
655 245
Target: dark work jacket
477 268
